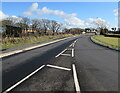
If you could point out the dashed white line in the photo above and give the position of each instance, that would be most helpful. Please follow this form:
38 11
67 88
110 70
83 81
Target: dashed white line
12 87
58 67
72 52
77 86
61 53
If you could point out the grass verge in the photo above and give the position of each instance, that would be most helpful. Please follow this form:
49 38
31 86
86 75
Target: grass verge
107 41
21 41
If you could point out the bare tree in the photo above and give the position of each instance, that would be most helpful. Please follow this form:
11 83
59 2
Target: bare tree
101 24
26 22
45 25
55 26
23 23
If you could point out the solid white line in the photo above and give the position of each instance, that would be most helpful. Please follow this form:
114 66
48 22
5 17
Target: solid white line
61 53
59 67
77 87
9 89
72 52
65 54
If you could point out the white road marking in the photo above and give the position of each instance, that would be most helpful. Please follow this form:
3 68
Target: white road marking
66 54
58 67
71 45
9 89
72 52
77 86
74 42
61 53
29 48
69 48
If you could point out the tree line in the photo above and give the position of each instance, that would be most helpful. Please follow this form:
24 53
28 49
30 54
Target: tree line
38 25
14 27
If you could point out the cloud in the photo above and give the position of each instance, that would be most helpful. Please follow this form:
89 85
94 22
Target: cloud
69 19
99 22
32 8
3 16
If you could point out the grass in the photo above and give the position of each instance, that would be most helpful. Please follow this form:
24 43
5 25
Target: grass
21 41
107 41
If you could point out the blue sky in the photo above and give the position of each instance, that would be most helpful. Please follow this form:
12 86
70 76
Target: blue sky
80 10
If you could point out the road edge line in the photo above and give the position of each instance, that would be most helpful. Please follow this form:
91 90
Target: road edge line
77 86
29 48
28 76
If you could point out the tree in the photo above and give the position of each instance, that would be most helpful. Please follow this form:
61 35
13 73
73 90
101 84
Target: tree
3 25
101 24
45 25
25 22
6 22
55 26
35 23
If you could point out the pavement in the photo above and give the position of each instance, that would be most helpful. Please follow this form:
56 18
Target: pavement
72 65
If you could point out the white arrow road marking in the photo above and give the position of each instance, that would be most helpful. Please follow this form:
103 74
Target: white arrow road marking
58 67
77 87
9 89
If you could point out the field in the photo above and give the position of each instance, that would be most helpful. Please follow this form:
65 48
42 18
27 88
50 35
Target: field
107 41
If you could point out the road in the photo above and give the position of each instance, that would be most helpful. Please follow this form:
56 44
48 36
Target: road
96 67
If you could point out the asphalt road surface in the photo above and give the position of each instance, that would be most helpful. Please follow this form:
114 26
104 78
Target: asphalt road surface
96 68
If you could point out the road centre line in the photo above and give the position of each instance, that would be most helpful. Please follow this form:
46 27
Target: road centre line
12 87
61 53
58 67
77 86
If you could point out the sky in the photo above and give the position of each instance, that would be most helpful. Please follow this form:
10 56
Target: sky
72 14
